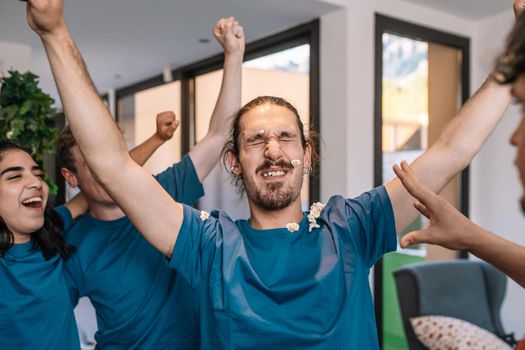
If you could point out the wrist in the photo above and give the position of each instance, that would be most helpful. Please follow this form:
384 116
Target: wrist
158 138
475 237
58 32
234 57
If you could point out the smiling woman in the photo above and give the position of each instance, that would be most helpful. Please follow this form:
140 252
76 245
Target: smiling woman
34 293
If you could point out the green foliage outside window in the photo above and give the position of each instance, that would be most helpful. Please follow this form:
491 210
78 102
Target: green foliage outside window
26 116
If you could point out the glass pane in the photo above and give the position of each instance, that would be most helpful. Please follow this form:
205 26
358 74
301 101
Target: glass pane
138 121
284 74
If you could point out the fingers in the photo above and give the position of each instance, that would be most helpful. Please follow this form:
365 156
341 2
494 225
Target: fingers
411 238
223 26
423 210
166 117
230 34
175 124
412 184
238 30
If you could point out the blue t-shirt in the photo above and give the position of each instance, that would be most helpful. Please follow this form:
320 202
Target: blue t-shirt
35 312
275 289
140 302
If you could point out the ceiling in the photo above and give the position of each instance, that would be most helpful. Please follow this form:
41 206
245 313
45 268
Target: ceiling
125 41
469 9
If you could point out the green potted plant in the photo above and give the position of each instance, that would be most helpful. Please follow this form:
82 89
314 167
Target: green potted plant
26 116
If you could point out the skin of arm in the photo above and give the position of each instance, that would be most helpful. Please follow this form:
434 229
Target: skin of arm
104 150
451 229
456 146
206 153
167 123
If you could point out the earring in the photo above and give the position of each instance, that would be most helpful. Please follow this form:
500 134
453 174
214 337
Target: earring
307 170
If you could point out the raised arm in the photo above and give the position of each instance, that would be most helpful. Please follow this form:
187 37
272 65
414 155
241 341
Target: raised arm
454 149
167 123
97 135
77 205
450 229
206 153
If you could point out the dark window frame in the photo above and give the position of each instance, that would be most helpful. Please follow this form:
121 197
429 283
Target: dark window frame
384 24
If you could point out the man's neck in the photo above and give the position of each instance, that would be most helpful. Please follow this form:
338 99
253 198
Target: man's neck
262 219
104 212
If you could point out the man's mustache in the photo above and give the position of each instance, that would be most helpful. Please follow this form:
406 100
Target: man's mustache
268 164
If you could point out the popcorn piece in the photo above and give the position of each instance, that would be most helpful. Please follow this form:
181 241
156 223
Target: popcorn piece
292 226
204 215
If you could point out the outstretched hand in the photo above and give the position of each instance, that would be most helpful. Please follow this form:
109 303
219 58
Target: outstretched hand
448 227
45 16
167 123
230 34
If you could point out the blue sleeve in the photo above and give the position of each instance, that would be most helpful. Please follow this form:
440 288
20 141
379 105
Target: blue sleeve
73 273
198 244
72 282
65 215
372 225
181 181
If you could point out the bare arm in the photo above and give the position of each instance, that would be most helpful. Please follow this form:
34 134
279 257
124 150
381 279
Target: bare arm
77 205
206 153
167 123
456 146
97 135
450 229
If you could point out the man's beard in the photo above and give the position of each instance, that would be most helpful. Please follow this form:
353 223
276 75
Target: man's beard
275 197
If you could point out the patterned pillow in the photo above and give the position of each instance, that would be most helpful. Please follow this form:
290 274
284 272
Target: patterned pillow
448 333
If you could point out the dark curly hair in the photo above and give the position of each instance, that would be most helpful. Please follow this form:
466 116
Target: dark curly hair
511 63
49 238
309 138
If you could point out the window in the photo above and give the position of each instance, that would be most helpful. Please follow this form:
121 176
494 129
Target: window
421 81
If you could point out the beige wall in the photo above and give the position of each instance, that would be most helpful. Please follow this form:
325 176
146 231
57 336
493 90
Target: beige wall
147 104
443 89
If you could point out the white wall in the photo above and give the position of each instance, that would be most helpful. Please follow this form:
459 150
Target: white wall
347 107
14 56
495 188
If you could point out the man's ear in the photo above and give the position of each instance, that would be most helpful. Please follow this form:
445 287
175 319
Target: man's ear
233 161
307 157
69 176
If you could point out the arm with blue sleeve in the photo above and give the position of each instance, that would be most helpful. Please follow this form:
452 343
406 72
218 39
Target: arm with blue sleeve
97 135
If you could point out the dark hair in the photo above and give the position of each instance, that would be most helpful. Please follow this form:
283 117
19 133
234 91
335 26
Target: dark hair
65 142
511 63
232 144
49 238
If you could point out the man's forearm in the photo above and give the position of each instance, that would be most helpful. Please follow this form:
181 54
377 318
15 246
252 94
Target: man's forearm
467 132
207 152
229 99
82 104
145 150
507 256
